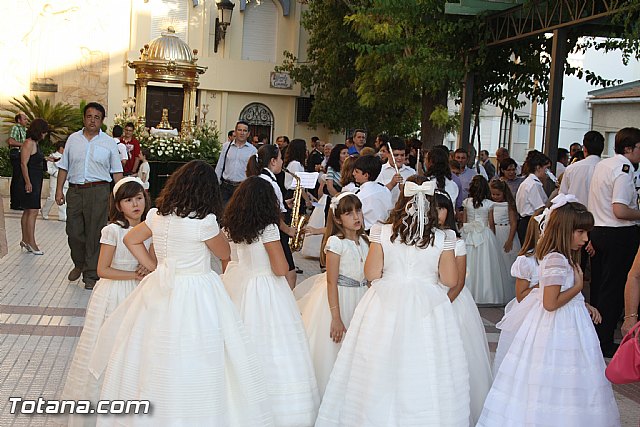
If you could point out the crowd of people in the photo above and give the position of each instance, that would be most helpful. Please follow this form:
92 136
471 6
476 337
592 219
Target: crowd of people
410 242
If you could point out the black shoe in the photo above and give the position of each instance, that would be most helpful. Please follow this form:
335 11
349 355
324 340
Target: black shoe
89 284
298 271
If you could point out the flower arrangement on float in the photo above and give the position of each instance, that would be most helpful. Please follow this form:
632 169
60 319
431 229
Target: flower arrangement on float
169 146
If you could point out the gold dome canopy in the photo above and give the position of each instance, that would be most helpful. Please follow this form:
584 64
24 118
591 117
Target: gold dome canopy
169 47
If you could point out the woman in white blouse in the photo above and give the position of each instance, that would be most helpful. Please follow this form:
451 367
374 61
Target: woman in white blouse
531 195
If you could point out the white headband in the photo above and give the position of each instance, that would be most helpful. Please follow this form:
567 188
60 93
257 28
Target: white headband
336 200
557 202
124 181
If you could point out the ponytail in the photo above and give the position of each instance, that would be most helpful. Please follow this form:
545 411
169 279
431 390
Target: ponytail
261 159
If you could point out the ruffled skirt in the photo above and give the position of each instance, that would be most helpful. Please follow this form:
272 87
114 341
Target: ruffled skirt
179 343
271 316
552 374
485 266
316 316
476 349
402 362
106 296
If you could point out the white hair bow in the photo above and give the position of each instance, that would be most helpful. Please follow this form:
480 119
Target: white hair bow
419 205
336 200
557 202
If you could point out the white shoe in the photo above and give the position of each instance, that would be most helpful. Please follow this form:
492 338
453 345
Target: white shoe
45 217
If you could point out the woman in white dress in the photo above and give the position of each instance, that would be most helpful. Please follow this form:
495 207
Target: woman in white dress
503 221
258 288
553 372
402 361
474 338
484 262
177 341
328 306
119 275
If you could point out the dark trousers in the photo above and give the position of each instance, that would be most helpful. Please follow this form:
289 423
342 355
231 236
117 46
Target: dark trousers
615 250
227 188
523 223
87 212
16 179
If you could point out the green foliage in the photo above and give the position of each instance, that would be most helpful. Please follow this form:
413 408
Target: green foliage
5 163
63 118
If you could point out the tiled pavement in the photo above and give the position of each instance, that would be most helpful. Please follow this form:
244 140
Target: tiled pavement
41 315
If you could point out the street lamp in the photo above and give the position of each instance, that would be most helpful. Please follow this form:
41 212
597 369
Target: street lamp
225 10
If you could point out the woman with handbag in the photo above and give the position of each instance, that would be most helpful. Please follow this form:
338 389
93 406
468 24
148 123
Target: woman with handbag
625 366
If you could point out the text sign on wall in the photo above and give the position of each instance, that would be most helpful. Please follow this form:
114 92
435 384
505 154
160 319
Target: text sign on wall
280 80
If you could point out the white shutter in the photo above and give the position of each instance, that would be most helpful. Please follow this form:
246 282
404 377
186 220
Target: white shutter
165 13
259 31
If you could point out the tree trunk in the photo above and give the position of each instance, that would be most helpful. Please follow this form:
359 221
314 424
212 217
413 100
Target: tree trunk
430 134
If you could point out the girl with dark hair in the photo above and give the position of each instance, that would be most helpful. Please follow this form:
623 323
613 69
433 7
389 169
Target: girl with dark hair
178 335
486 266
334 165
438 168
503 221
31 161
553 371
257 286
531 195
267 164
332 297
119 274
474 338
403 340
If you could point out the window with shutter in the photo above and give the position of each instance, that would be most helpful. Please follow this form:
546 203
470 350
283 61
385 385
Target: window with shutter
259 31
165 13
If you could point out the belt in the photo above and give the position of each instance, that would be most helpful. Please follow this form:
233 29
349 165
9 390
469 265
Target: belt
504 225
89 184
348 282
233 183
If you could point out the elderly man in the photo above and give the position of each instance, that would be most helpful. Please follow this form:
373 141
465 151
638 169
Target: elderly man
17 136
232 166
503 154
89 159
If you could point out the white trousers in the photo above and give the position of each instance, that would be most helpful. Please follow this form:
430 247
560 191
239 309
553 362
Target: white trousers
51 200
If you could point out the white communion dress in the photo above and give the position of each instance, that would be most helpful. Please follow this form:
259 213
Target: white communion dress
269 311
503 227
402 362
553 371
526 268
105 298
178 341
484 262
474 342
311 244
314 306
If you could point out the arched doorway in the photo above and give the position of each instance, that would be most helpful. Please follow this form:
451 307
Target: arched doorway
260 119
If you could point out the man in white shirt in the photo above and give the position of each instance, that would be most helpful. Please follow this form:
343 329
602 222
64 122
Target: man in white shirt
563 161
614 203
389 177
375 197
577 177
122 148
231 169
90 158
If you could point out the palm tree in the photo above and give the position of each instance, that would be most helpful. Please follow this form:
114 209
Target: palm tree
63 118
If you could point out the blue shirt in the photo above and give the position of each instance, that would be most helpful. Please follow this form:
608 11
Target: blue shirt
90 161
353 151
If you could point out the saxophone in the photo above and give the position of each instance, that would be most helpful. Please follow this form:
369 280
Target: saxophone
299 222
